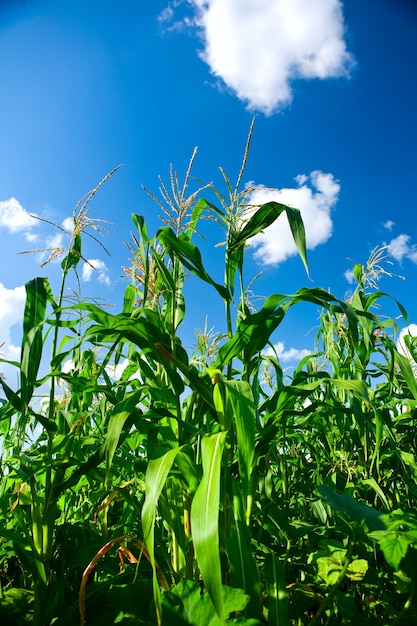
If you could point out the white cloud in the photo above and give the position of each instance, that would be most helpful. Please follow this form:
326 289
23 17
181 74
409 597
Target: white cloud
55 241
100 267
399 248
68 224
11 313
349 276
291 355
51 243
171 20
15 219
388 224
410 330
166 14
275 244
257 47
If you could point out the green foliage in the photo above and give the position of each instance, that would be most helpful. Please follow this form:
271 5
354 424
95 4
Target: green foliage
148 485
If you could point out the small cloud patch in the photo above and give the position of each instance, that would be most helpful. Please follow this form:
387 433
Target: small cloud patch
99 266
400 248
15 219
286 356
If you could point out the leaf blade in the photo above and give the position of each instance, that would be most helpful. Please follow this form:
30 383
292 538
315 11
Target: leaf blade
205 519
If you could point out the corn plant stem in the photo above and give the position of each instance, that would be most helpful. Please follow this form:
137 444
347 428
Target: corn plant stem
229 323
48 517
229 320
175 298
51 408
329 598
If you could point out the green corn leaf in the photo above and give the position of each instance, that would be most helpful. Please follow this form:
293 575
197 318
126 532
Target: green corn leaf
190 257
30 361
170 504
144 331
241 406
277 592
37 297
358 386
266 215
163 270
79 473
253 332
188 469
374 485
12 397
129 299
205 519
216 209
243 571
198 208
374 296
261 219
156 475
139 222
155 479
49 424
407 372
350 509
120 414
35 305
190 372
74 255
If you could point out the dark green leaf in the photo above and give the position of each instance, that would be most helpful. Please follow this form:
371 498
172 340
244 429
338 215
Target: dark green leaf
350 509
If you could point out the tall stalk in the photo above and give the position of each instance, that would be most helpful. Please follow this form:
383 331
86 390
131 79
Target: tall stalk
44 517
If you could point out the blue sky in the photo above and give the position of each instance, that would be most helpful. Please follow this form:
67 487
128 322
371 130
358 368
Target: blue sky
86 86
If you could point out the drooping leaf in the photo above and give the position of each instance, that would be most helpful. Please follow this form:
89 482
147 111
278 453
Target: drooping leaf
407 372
266 215
190 256
254 331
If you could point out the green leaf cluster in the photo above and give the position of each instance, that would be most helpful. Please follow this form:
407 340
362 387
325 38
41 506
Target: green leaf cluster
144 483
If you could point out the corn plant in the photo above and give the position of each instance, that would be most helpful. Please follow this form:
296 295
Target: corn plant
158 485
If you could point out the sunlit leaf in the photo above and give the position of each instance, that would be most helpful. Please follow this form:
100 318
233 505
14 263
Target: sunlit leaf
205 519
